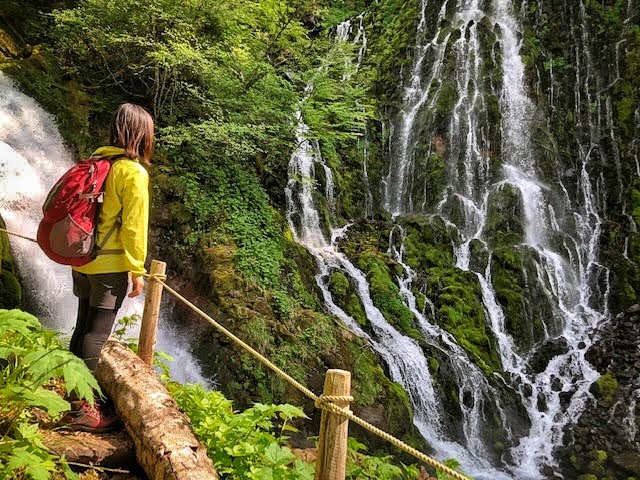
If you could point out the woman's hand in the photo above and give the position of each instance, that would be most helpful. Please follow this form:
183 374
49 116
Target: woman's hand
138 285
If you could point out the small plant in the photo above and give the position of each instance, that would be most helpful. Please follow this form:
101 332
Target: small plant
123 326
252 444
32 363
451 463
363 467
245 445
160 359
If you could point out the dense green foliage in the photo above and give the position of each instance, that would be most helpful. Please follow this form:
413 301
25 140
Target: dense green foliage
225 80
31 361
252 444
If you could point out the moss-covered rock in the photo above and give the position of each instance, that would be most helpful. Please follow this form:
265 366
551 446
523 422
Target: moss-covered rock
385 293
429 242
605 387
458 300
10 288
525 307
505 214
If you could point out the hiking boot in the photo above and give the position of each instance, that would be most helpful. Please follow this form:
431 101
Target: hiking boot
96 419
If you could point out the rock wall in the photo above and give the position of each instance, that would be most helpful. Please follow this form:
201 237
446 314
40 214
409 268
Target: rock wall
10 288
605 441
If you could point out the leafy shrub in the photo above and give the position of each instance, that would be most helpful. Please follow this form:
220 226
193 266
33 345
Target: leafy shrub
246 445
32 359
252 444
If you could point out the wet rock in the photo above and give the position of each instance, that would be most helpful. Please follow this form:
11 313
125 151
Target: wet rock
604 442
543 354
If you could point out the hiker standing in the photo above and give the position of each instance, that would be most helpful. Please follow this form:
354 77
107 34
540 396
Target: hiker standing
101 285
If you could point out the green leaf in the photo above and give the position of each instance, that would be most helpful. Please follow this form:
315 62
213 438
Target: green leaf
35 466
47 400
276 455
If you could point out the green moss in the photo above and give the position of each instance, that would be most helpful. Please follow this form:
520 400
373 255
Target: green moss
436 169
339 284
447 98
367 376
599 456
460 311
355 309
386 294
10 290
635 201
605 387
505 214
428 243
433 365
524 304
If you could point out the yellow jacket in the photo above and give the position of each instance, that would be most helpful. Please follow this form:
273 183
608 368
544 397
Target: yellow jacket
126 198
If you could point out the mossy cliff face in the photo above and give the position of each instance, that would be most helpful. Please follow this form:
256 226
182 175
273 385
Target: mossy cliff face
591 51
447 296
286 326
10 288
455 299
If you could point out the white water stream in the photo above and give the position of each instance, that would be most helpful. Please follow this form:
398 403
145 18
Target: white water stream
32 158
568 282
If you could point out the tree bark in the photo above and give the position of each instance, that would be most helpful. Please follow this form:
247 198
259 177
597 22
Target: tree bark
165 445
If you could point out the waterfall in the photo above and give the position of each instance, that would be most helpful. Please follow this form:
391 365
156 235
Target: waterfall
563 249
404 357
566 276
32 158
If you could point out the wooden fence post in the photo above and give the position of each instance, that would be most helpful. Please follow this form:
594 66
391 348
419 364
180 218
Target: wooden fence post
334 429
149 325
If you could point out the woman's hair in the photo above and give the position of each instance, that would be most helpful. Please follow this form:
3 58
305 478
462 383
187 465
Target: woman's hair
132 129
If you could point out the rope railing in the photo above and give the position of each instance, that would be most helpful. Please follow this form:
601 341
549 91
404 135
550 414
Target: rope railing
18 235
320 401
324 402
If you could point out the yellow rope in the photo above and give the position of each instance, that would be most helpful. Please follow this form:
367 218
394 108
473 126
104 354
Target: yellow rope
323 402
18 235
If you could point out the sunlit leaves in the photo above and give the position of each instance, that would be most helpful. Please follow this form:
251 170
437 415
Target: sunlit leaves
32 358
243 445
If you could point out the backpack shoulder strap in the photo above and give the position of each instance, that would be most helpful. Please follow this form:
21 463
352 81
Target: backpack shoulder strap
116 251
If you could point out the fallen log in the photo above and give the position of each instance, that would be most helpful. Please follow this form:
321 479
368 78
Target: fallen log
165 445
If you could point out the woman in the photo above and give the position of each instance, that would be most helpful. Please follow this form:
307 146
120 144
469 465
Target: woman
101 285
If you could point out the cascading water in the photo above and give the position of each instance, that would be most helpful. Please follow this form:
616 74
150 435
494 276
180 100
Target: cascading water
562 249
404 357
32 158
567 277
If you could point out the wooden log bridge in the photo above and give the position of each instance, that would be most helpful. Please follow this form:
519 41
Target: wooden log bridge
166 447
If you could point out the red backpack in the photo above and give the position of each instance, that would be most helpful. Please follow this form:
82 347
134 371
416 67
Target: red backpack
66 233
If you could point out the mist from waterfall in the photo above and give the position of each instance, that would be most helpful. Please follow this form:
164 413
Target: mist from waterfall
32 158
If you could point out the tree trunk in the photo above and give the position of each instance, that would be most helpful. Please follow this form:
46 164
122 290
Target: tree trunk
165 445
